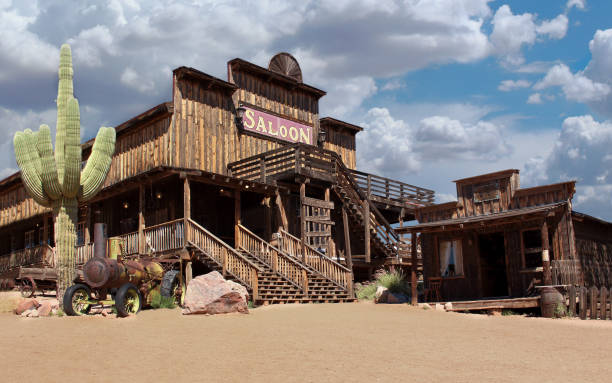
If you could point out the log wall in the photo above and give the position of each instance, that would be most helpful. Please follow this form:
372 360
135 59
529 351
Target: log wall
343 143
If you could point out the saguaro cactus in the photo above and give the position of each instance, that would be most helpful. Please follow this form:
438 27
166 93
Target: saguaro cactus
56 181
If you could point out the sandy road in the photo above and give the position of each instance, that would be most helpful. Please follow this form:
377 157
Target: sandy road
358 342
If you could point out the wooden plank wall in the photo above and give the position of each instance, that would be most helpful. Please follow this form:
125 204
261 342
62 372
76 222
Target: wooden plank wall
465 196
204 118
594 250
343 143
16 205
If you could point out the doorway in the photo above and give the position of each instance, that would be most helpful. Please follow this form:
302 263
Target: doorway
492 254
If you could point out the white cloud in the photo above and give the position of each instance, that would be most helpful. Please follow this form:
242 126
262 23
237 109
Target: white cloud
576 87
535 98
132 79
581 152
511 32
555 28
509 85
440 137
580 4
393 84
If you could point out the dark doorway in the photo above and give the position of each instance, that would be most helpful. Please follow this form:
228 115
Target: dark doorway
493 265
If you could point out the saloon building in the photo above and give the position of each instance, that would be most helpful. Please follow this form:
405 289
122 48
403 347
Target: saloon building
240 175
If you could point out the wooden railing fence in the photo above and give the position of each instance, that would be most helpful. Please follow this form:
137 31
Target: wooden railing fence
592 303
84 253
166 236
33 256
129 243
231 261
566 272
325 266
280 262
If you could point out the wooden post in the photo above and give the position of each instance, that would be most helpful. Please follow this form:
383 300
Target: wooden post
141 220
45 230
413 269
86 234
186 207
303 219
267 219
547 275
593 295
224 262
583 303
331 244
188 272
281 210
572 300
237 217
347 240
366 232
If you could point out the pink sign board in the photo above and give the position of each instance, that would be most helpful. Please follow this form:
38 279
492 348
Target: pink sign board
273 126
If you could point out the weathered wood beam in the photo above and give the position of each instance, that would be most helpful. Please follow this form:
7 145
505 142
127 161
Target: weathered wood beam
237 217
281 211
366 232
302 220
413 269
347 240
141 220
547 274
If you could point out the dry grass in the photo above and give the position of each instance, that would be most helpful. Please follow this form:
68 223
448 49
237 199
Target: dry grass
9 301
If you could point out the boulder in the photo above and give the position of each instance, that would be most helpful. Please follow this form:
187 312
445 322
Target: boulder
448 306
33 314
425 306
25 305
382 294
396 298
27 313
439 307
45 309
211 294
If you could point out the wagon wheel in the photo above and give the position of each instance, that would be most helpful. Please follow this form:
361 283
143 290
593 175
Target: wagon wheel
128 300
27 287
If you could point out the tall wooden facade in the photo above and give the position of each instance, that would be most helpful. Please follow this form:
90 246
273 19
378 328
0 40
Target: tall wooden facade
198 159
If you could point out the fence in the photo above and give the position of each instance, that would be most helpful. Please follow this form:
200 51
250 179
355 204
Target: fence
591 303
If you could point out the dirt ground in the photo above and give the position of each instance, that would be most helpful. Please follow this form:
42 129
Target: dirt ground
359 342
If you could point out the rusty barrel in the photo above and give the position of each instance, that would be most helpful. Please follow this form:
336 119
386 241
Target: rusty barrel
550 299
109 273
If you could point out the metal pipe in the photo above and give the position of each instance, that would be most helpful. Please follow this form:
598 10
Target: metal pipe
99 240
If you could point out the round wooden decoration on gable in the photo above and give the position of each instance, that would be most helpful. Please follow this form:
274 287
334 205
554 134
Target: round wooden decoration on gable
287 65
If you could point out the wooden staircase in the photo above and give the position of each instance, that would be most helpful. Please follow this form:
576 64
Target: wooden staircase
287 279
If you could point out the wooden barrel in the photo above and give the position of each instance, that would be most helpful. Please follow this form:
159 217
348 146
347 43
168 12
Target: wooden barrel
550 299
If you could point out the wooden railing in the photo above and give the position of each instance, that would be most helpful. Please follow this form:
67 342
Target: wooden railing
383 189
592 303
278 261
38 255
165 236
84 253
566 272
129 243
231 261
325 266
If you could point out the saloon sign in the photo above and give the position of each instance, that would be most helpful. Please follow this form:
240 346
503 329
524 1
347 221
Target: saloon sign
273 126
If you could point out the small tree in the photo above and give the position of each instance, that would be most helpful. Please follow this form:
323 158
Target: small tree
55 180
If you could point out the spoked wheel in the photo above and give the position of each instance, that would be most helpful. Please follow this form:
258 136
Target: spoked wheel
128 300
76 300
27 286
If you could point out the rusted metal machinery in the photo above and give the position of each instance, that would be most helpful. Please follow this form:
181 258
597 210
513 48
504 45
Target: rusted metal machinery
131 283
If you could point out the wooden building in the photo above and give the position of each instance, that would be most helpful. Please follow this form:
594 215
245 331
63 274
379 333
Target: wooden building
246 177
500 240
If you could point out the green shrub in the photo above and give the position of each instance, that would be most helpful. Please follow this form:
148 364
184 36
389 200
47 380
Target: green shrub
160 302
560 311
394 281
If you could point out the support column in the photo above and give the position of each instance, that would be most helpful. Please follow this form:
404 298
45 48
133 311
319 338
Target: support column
281 211
267 219
413 269
86 233
142 247
347 240
186 207
237 217
547 274
331 244
303 220
366 233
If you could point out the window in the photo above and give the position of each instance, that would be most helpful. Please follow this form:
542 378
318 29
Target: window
30 239
532 249
451 258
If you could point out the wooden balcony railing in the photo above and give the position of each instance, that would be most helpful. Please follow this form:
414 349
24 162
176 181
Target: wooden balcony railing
231 261
280 262
325 266
381 189
84 253
129 243
33 256
164 237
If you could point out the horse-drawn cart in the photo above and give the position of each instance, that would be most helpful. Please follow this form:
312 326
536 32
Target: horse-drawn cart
31 279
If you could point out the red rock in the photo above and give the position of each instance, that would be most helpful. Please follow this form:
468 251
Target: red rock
45 309
25 305
211 294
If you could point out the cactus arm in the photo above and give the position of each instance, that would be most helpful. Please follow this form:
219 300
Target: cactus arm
98 164
64 93
49 171
26 155
72 150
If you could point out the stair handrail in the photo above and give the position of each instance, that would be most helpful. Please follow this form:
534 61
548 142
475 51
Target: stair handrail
325 266
231 261
278 261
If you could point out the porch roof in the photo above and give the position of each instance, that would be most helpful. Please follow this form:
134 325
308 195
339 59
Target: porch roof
500 218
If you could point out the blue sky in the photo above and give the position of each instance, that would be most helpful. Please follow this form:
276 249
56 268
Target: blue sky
445 89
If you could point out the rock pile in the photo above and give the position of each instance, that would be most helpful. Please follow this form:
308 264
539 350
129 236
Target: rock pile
212 294
32 308
383 295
